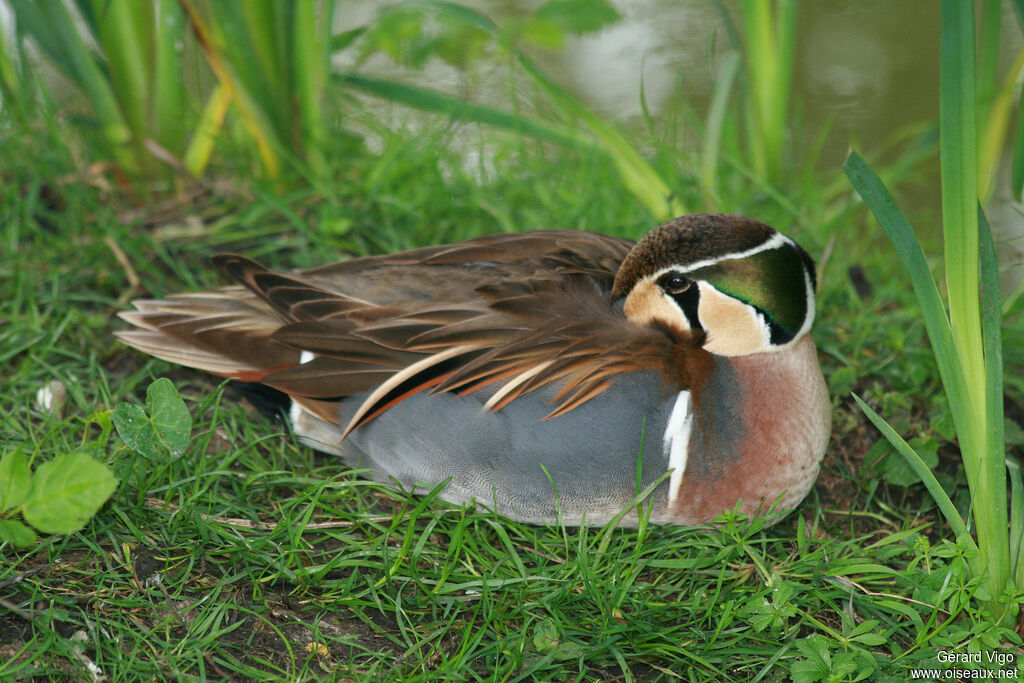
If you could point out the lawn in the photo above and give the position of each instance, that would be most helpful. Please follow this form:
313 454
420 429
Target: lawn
250 557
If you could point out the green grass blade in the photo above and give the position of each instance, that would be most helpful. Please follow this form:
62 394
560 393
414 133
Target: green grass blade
606 531
200 147
938 494
717 113
959 155
122 28
897 228
1016 521
1017 170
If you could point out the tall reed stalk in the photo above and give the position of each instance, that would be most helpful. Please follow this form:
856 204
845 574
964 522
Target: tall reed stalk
770 34
966 339
272 60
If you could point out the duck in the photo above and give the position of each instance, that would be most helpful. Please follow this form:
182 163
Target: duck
547 375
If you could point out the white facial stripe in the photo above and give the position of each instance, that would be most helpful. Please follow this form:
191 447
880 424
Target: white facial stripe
676 443
774 242
809 318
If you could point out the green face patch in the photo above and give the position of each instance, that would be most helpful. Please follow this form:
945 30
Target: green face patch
773 280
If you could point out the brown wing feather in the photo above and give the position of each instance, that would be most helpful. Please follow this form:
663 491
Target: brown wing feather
226 332
517 311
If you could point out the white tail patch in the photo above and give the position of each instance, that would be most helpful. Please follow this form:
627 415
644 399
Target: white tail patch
677 443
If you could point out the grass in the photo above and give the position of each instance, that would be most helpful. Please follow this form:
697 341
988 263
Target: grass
252 558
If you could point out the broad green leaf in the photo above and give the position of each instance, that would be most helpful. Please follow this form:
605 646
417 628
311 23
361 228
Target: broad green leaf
15 480
169 414
137 430
566 651
870 639
542 33
166 426
818 660
16 533
67 492
545 636
578 16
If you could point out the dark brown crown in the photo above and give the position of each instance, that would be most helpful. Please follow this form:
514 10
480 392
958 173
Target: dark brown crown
688 239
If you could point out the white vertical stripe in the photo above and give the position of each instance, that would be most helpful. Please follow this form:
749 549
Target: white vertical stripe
677 442
295 414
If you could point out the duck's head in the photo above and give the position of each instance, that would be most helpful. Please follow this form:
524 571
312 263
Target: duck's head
748 287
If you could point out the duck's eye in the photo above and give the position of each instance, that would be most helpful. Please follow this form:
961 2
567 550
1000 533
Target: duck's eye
675 284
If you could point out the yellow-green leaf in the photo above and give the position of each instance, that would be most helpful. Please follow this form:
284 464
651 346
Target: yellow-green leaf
66 492
16 533
15 479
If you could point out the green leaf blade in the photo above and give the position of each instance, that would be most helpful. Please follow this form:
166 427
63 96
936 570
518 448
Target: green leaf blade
949 510
897 228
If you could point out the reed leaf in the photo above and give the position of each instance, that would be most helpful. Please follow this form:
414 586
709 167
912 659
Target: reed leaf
52 28
459 109
898 230
717 113
1017 168
968 344
983 460
770 30
274 59
211 120
125 58
949 511
1016 521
